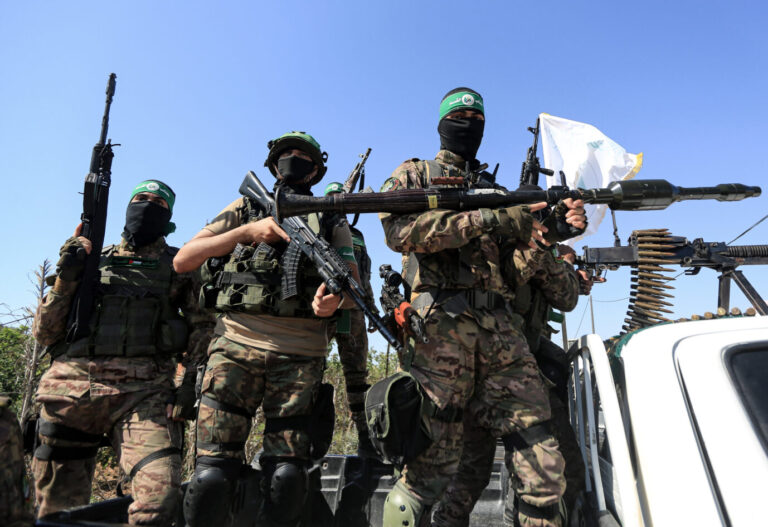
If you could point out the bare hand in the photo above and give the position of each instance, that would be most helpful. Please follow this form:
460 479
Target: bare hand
575 215
325 305
82 239
537 234
266 230
587 279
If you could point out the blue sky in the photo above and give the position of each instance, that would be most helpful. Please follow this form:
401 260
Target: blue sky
203 86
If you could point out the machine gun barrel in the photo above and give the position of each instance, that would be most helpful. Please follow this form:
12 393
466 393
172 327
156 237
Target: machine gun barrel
649 194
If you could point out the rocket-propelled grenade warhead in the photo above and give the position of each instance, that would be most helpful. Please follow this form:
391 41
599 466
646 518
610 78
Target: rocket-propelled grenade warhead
657 194
636 194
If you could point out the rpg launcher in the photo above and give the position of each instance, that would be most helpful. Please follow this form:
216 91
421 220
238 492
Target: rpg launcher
94 219
399 316
634 194
650 250
334 271
358 173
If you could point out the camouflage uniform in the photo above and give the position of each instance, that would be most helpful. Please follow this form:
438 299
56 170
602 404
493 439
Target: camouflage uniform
476 358
542 281
13 510
269 356
123 397
353 344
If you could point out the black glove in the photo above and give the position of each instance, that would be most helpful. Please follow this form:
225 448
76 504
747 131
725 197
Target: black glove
184 402
559 229
71 260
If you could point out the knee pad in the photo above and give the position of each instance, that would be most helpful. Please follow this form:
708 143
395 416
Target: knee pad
208 500
288 485
403 508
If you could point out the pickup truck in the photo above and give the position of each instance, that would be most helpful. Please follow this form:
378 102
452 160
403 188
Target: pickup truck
673 423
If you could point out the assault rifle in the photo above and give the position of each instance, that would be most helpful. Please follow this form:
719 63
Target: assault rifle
357 173
529 173
650 249
634 194
398 313
335 273
94 219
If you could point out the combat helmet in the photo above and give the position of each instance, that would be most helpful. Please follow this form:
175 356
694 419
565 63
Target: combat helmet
303 141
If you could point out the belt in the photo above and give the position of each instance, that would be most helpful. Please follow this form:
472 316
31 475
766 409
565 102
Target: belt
456 301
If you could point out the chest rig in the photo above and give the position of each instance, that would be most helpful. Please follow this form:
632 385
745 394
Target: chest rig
133 315
272 280
451 268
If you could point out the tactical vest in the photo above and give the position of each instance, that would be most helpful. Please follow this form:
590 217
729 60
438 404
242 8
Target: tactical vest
132 313
361 255
253 279
451 268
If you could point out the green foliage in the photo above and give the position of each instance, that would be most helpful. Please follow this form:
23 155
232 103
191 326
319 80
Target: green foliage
13 342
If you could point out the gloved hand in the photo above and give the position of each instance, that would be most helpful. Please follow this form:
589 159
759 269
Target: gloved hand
71 260
516 222
184 402
566 221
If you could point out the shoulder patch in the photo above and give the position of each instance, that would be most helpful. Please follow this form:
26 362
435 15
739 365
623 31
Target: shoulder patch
391 184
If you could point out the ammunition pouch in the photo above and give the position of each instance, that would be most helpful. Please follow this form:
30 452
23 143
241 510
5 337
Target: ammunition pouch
261 281
395 410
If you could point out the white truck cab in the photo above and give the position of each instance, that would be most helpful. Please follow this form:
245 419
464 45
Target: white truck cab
673 422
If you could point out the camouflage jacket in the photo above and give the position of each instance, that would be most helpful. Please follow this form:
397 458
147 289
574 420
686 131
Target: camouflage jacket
541 281
52 314
451 250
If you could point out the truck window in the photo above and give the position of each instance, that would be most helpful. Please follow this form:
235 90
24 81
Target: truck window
748 367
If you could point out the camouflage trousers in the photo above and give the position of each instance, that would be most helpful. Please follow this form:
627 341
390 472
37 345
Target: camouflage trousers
494 378
353 354
476 463
13 510
136 424
244 378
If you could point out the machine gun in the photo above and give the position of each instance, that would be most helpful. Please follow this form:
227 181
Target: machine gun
94 220
529 173
633 194
357 173
335 273
649 250
398 313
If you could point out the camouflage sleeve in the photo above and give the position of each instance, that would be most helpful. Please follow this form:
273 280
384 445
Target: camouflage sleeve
50 323
185 289
555 278
426 232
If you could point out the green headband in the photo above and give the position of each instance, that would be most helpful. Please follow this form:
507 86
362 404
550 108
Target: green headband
463 100
333 187
153 186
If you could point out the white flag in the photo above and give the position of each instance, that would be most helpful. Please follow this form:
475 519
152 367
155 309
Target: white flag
587 157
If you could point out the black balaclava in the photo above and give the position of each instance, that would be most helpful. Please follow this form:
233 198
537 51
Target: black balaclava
461 136
294 169
145 222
